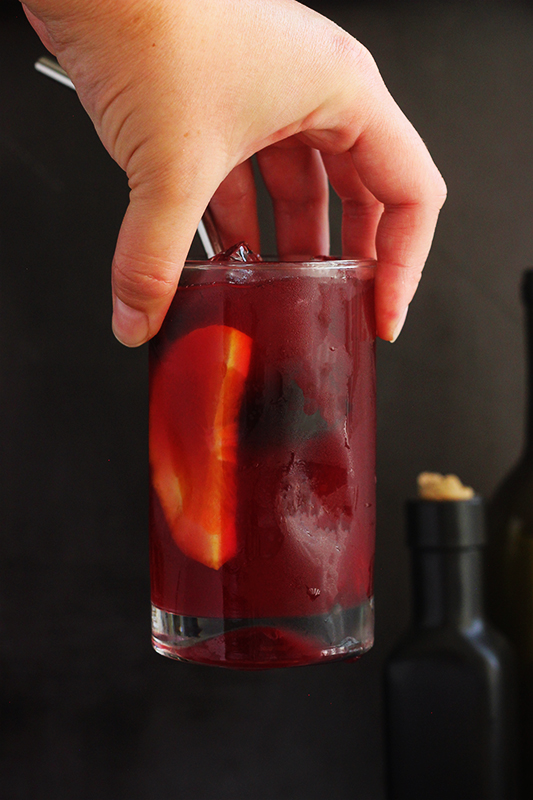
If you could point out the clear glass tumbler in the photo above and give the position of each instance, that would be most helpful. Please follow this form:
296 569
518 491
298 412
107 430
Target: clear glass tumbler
262 460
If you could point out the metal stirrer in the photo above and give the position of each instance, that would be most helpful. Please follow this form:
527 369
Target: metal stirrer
207 230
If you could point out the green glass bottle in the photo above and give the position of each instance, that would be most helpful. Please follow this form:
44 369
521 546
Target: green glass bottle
449 684
509 574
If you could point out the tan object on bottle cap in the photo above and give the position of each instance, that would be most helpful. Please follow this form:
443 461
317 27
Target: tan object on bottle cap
434 486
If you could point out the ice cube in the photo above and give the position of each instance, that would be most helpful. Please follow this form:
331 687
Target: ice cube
240 253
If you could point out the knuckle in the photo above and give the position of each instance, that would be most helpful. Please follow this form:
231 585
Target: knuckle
144 282
433 194
441 190
350 51
362 207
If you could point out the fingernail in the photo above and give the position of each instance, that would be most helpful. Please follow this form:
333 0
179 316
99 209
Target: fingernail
399 325
129 325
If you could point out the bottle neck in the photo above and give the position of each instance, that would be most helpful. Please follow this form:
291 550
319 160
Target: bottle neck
529 378
447 587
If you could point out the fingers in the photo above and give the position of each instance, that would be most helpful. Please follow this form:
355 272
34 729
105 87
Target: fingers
391 193
361 211
152 246
159 226
297 182
296 179
396 168
234 208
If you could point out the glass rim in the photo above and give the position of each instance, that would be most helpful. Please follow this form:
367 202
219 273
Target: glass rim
271 263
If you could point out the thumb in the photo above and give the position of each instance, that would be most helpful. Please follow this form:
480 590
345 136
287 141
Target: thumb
152 246
40 29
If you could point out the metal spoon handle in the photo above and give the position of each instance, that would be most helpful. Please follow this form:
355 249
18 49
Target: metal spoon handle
50 67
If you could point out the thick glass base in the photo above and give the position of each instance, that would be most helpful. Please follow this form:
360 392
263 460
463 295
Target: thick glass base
265 643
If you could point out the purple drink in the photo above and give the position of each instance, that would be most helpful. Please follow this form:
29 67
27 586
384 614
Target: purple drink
262 439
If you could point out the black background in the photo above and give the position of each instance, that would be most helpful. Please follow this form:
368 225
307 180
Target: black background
88 710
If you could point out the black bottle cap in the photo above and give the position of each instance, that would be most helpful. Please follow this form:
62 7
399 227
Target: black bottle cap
445 524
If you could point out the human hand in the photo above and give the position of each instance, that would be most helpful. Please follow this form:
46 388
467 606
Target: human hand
182 95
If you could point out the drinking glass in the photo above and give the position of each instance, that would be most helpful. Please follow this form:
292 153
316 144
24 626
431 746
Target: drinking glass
262 463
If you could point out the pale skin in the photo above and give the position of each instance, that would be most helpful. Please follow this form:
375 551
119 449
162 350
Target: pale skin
182 94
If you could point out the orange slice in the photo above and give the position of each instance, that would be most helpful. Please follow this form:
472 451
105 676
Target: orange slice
195 400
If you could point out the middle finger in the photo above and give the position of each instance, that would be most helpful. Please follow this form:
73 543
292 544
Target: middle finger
296 179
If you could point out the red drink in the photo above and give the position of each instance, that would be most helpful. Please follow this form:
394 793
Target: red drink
262 452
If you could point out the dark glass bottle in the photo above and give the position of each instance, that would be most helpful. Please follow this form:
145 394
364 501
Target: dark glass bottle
510 562
449 684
